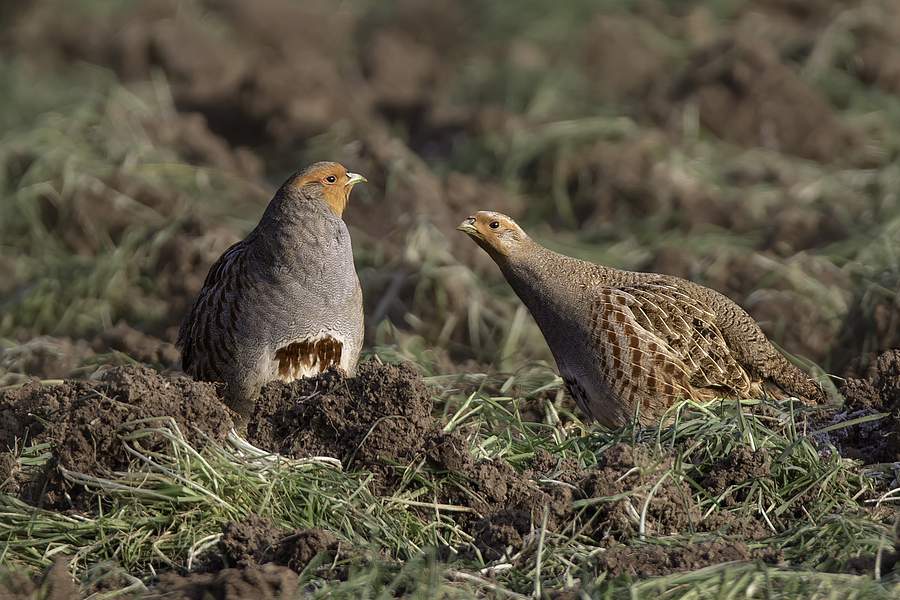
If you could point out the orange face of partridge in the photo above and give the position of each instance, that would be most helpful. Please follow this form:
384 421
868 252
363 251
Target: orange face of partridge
333 183
494 232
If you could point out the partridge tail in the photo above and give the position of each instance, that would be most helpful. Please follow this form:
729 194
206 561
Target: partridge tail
797 382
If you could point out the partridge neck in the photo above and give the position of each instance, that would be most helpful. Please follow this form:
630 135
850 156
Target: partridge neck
292 229
534 273
546 280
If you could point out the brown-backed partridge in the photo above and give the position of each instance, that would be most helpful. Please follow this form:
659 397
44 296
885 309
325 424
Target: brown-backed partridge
631 344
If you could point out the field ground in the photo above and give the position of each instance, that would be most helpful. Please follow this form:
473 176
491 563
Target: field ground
750 145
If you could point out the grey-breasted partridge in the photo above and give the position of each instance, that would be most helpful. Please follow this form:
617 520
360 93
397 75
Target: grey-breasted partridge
631 344
285 302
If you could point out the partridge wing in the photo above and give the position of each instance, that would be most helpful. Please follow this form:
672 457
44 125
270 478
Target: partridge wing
206 336
689 333
639 365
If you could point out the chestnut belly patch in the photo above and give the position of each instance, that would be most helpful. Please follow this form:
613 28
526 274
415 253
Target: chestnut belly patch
308 357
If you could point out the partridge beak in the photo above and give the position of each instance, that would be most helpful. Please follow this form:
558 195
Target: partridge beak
468 227
354 178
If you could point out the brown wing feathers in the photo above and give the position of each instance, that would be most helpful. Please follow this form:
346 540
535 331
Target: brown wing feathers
299 359
658 345
638 362
201 357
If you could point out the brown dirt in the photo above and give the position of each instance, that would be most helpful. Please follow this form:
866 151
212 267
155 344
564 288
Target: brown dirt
256 541
746 95
43 357
382 417
623 469
55 583
875 389
138 345
878 58
652 560
621 76
269 582
545 465
189 135
743 466
378 419
82 420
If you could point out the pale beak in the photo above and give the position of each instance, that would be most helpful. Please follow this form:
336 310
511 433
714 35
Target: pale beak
354 178
468 227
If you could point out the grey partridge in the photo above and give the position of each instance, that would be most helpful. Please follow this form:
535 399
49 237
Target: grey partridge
285 302
631 344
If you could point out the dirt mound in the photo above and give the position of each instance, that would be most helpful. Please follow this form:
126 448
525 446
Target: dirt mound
633 475
255 541
651 560
82 420
878 57
269 582
381 415
381 418
617 75
189 134
746 95
874 390
55 583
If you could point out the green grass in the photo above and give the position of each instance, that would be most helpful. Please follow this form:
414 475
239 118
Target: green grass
169 508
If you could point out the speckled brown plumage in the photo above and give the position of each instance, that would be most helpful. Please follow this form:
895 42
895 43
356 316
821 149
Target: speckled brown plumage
631 344
285 302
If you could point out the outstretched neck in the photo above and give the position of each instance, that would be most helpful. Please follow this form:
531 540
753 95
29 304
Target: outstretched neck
546 281
528 267
534 266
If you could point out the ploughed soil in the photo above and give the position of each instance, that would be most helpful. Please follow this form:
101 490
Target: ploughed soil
381 421
245 105
870 391
82 420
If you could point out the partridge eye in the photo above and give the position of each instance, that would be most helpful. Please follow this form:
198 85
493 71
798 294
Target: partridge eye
331 179
495 224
